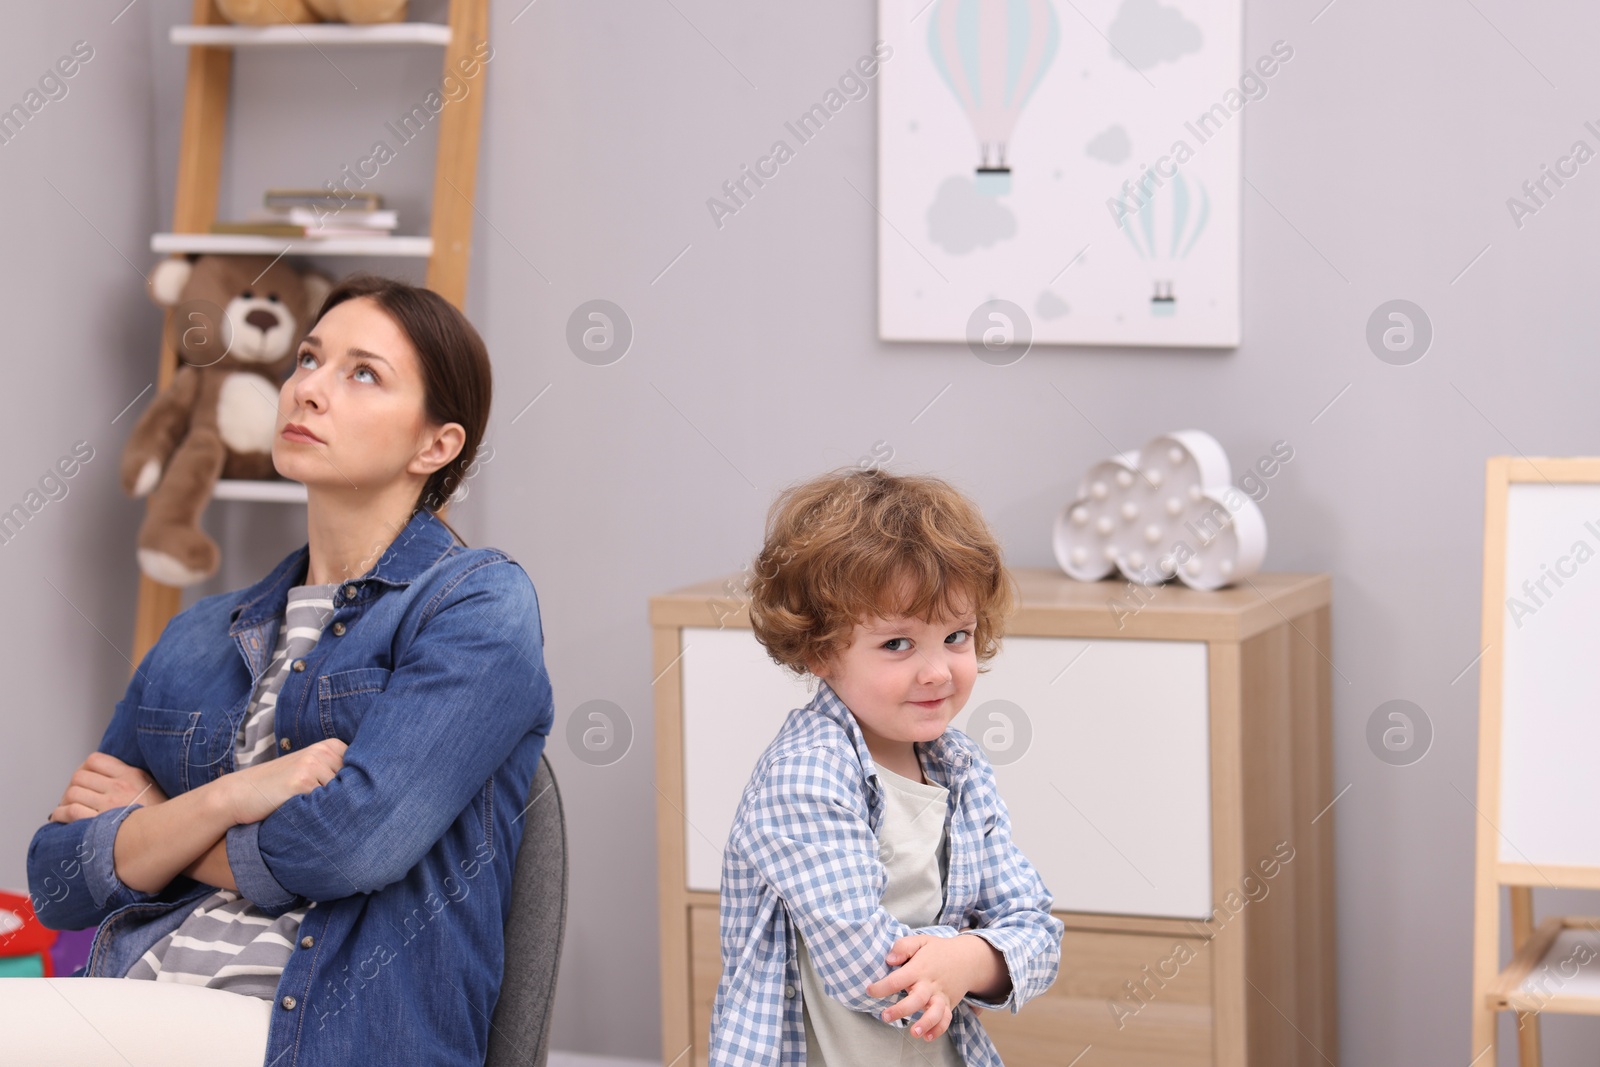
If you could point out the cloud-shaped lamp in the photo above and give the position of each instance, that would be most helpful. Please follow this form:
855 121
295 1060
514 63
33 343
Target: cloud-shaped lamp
1169 510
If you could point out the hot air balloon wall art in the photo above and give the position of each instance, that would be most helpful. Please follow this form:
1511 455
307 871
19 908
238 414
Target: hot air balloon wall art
1164 229
993 54
1029 152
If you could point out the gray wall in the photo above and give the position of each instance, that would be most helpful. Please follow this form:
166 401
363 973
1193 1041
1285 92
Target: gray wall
80 192
1378 168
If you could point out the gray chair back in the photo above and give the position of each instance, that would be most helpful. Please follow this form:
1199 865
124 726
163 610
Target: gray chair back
520 1032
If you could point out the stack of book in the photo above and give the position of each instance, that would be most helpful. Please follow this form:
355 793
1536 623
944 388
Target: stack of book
315 213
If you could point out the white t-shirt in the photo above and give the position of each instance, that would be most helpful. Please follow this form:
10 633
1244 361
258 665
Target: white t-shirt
915 852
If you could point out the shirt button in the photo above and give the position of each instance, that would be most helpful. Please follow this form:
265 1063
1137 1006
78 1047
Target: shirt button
338 629
288 1003
285 744
350 592
788 991
307 941
299 665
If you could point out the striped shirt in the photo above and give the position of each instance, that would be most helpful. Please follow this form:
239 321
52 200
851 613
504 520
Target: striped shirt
227 942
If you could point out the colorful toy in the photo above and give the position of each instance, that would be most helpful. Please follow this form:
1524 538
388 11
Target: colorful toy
25 942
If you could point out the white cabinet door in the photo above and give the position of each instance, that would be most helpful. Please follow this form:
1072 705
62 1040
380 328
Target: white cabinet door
1101 751
1102 754
734 700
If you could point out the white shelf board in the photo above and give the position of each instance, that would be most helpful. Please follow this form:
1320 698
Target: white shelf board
310 34
256 244
265 491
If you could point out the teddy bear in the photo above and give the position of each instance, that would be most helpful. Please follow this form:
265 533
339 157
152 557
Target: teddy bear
266 12
237 325
360 11
277 12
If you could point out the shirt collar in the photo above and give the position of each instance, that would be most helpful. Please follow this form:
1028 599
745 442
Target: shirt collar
945 753
422 542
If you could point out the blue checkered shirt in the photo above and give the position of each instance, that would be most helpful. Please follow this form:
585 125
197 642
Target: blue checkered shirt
802 858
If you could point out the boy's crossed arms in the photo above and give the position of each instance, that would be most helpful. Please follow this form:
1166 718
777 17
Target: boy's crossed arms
935 973
806 833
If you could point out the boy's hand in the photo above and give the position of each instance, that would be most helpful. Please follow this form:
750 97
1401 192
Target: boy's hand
103 782
936 973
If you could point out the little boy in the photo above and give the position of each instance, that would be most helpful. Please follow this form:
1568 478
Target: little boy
870 882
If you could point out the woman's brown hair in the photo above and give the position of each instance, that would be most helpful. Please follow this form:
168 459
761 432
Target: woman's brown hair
457 382
857 543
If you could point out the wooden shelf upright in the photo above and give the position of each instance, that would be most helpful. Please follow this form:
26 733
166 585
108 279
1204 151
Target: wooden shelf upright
205 115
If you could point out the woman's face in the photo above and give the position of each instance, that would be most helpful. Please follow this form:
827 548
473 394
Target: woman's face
357 388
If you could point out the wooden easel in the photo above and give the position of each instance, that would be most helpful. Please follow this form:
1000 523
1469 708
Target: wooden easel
205 114
1537 729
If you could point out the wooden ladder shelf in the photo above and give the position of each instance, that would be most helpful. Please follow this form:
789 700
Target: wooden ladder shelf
205 113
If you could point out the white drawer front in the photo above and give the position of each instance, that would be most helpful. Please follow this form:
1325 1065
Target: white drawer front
734 701
1109 796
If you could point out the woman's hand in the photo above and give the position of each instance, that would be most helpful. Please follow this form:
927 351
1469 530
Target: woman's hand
255 792
103 782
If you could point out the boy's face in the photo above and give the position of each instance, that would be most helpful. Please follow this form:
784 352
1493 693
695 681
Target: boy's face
904 679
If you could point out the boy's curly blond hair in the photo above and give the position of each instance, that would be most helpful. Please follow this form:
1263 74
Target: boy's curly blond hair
853 544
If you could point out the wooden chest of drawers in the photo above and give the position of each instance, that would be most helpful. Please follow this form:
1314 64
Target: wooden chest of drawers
1165 756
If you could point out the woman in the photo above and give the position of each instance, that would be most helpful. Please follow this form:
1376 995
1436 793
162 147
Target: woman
347 746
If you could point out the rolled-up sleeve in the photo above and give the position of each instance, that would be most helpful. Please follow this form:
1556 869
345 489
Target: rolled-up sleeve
72 879
256 884
1012 911
464 692
72 876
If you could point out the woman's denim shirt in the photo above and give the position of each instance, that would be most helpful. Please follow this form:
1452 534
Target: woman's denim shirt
431 670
